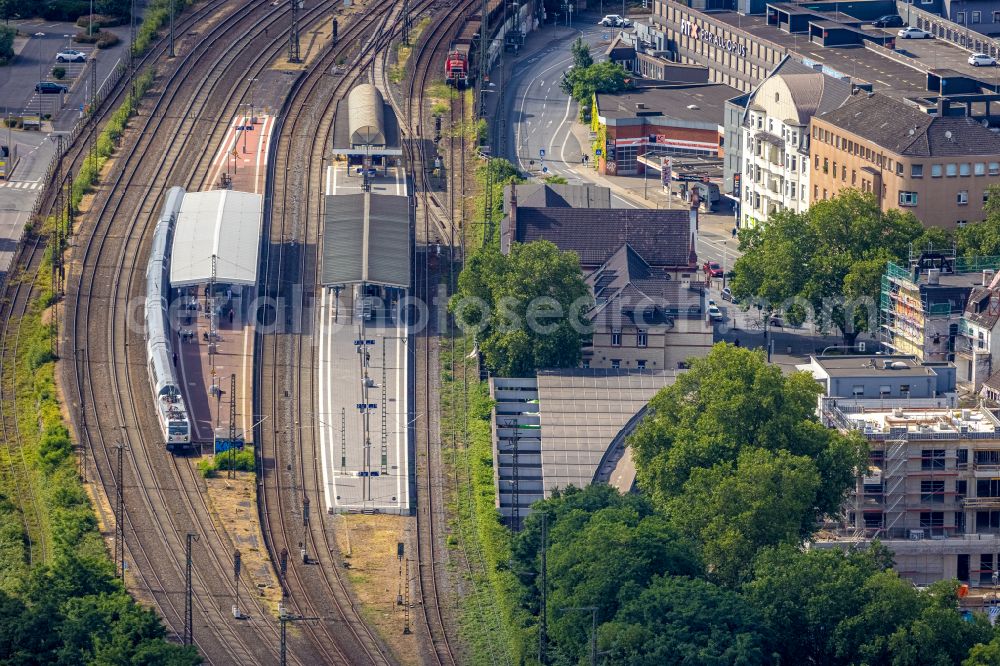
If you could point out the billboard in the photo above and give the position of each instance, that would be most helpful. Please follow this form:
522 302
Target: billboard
665 167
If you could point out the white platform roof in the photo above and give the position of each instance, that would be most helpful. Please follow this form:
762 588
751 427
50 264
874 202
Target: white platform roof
223 225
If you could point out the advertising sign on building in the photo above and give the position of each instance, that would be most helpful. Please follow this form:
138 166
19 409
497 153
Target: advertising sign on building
737 184
665 167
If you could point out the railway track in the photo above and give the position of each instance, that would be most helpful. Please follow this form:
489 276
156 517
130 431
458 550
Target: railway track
19 289
285 383
191 116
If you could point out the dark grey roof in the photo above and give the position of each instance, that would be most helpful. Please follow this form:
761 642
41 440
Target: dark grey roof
366 239
987 302
905 130
661 237
672 101
628 291
541 195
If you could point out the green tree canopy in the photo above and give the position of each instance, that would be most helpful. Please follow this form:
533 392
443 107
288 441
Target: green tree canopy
982 239
733 452
7 34
526 306
603 77
828 259
581 53
679 620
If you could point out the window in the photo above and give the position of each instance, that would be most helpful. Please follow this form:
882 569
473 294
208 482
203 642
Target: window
932 491
980 169
854 176
641 364
961 488
817 161
961 223
964 169
959 17
962 198
951 170
884 391
616 337
995 168
616 363
962 459
899 168
977 17
858 390
826 166
904 390
996 17
834 169
907 198
935 171
640 338
931 519
932 459
916 171
987 488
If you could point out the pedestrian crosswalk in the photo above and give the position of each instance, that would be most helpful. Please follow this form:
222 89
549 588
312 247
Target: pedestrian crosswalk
21 184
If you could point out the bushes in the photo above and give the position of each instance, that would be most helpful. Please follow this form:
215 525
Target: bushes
103 39
100 21
157 15
64 10
241 461
59 73
6 43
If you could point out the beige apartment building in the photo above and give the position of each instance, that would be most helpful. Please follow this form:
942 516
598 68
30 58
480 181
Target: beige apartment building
938 168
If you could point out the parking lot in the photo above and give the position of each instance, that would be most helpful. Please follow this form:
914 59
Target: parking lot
36 48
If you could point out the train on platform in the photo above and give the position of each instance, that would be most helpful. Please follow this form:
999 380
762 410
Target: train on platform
461 61
171 412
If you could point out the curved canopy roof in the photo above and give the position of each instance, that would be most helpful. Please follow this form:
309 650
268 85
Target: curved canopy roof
220 227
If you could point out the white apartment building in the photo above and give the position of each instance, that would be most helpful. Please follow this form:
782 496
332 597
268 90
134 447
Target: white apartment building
775 141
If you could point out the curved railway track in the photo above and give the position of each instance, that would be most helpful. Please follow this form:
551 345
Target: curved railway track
191 116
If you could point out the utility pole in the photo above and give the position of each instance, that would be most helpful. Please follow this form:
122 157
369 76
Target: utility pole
283 568
120 513
232 426
406 597
131 51
189 595
593 629
543 628
293 34
406 22
170 53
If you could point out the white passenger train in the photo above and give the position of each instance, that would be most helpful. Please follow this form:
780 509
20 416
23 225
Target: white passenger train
175 425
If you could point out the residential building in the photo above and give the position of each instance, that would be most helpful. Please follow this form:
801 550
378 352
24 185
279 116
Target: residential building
643 318
922 305
683 119
883 378
543 195
931 492
978 342
776 140
565 427
937 167
666 239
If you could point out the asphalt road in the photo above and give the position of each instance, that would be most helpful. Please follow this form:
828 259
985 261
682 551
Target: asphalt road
34 63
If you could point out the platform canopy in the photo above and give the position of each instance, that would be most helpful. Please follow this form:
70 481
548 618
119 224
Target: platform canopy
367 240
220 227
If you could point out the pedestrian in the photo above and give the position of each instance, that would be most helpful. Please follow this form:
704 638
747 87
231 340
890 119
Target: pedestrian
734 232
736 342
230 316
175 359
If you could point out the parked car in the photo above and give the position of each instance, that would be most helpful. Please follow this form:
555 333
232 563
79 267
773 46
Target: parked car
713 269
50 88
913 33
775 321
982 60
71 55
889 21
614 21
727 295
714 313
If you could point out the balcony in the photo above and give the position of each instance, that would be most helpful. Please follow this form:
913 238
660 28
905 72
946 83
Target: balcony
981 502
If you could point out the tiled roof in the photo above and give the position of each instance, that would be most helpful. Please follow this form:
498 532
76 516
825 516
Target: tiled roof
988 301
905 130
626 286
540 195
661 237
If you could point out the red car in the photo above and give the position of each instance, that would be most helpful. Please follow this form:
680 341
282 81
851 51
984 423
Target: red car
713 269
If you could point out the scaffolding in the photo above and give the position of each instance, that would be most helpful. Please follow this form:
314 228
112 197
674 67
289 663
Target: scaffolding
894 478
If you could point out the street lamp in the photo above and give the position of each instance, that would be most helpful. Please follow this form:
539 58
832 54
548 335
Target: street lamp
767 320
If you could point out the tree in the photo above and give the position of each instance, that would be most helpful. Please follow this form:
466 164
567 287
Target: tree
733 510
581 83
6 43
982 239
828 259
683 621
526 307
581 54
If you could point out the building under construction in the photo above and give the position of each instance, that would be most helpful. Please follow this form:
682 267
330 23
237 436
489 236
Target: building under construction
932 489
921 304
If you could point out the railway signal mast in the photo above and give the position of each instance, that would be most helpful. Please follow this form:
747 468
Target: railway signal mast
189 595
